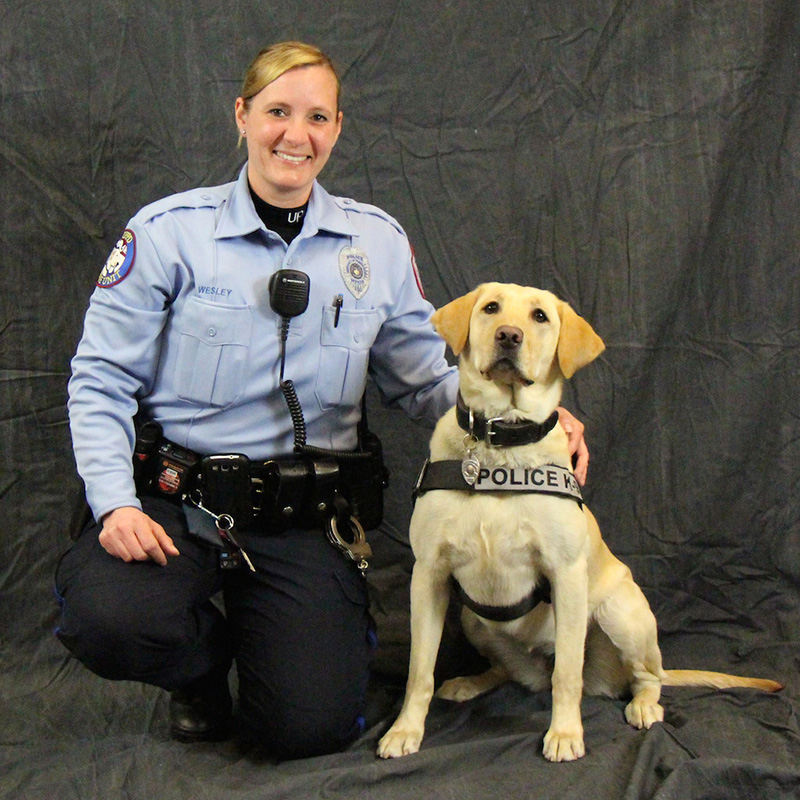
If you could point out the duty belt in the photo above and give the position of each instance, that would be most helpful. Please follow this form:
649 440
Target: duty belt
283 492
339 493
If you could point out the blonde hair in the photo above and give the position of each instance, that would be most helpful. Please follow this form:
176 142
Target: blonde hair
276 59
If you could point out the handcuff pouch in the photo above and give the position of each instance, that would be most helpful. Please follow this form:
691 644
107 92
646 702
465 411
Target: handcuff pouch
364 481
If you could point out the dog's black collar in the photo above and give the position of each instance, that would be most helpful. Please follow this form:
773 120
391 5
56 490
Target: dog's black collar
540 594
497 433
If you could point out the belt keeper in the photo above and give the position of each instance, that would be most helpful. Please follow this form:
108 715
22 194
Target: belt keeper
325 481
292 489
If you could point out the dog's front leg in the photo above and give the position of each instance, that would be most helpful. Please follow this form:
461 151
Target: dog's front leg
429 598
564 740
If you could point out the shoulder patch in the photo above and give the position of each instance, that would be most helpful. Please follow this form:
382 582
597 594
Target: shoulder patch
120 262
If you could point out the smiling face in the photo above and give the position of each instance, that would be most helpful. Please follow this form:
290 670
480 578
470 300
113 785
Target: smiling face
290 128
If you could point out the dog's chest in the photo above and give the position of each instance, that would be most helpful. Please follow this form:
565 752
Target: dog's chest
496 554
501 530
499 534
490 541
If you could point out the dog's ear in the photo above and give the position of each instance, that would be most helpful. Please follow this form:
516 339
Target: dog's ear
578 344
452 321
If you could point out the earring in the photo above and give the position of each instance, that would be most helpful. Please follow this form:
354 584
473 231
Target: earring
244 133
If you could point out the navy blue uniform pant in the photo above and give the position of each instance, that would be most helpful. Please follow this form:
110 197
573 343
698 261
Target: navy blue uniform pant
299 628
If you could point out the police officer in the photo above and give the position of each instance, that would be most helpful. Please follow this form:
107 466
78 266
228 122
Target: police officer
180 331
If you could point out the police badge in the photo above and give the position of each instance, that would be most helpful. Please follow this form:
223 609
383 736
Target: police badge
354 268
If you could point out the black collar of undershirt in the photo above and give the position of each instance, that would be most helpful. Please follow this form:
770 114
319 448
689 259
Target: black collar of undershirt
286 222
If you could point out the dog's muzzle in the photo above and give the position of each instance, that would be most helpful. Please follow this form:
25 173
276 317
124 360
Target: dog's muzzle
505 370
505 367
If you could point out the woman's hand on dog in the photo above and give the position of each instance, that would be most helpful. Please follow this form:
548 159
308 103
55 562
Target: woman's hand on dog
574 428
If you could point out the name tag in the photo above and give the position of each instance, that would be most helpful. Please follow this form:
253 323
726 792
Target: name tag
548 479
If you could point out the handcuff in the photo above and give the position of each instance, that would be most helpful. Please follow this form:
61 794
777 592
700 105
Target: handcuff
358 549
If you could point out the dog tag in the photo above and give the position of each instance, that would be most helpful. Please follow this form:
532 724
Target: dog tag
470 467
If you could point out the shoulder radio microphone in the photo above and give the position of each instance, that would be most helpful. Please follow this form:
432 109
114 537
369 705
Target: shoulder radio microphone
288 292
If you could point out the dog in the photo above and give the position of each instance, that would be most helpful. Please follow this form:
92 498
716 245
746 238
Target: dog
597 634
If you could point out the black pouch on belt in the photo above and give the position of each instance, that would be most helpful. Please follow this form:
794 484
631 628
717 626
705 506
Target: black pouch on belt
226 487
148 438
364 481
298 492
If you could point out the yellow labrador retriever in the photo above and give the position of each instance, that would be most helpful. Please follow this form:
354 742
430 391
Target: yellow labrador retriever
527 537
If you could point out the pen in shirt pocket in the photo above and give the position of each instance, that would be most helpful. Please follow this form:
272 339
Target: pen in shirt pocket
338 301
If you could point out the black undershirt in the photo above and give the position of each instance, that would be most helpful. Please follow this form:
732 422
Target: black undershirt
286 222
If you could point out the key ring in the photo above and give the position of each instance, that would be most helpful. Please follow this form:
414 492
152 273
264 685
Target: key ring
224 522
195 498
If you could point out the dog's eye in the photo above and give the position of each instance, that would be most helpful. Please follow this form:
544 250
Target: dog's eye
491 308
539 315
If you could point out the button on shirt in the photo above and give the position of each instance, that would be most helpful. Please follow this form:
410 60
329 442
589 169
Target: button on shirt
184 333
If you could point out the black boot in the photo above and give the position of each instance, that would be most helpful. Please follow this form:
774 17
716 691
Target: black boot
201 712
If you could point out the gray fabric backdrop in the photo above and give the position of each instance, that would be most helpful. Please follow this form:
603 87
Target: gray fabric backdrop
640 159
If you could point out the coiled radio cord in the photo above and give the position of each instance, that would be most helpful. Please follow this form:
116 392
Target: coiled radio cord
296 412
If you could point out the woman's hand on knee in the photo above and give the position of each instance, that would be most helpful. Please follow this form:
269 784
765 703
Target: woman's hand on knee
128 533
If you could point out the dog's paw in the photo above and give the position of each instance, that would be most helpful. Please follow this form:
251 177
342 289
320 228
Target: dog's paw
642 713
563 745
459 690
399 741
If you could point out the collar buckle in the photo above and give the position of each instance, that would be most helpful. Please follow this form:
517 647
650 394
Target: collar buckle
491 432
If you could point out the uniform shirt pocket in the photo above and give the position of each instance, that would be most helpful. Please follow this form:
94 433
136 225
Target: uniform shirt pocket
344 355
212 352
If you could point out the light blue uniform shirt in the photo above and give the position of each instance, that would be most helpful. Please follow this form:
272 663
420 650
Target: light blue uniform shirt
181 327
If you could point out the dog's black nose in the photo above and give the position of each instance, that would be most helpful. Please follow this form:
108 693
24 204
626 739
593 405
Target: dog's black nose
508 337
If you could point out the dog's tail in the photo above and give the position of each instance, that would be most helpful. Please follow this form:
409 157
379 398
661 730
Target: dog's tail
716 680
